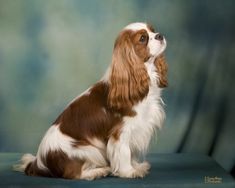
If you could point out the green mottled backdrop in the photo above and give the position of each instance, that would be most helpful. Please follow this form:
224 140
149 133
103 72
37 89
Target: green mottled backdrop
52 50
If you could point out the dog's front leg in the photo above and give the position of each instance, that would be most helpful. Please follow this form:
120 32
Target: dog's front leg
119 154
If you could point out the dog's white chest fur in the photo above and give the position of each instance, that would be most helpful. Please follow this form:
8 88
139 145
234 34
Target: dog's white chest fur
141 128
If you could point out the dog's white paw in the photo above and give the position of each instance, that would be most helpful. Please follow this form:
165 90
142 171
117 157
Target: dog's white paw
144 166
139 170
95 173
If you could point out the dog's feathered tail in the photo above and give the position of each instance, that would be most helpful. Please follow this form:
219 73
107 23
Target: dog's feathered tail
25 161
28 165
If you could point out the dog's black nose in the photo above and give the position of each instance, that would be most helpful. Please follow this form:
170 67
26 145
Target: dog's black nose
159 37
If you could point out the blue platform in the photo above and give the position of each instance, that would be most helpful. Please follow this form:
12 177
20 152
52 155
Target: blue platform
168 170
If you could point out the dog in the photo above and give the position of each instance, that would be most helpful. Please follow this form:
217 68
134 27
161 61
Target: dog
106 129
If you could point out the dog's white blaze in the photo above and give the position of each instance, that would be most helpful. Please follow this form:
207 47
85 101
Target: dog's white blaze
136 26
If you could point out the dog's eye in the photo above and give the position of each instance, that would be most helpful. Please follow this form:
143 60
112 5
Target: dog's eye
143 38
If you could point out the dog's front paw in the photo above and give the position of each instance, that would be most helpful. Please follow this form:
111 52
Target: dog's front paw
140 170
95 173
144 166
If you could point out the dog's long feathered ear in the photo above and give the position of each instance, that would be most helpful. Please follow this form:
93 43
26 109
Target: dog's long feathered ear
129 81
162 67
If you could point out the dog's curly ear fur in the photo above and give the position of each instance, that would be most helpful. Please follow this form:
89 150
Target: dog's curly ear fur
162 67
129 80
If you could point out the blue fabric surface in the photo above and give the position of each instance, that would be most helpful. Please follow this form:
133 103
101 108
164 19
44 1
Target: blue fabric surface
168 170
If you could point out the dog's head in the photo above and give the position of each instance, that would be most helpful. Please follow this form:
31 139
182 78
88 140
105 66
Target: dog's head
136 45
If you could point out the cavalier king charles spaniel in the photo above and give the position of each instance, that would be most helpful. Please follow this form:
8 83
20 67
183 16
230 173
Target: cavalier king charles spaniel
107 129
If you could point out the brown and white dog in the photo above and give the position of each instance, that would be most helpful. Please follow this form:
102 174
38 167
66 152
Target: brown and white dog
108 128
